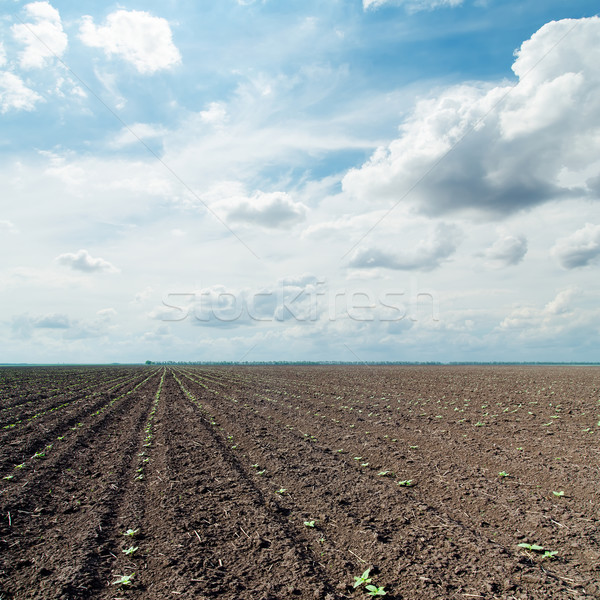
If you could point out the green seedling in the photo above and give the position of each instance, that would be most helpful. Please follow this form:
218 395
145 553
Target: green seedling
503 474
405 483
8 477
281 491
261 472
310 523
124 580
131 550
550 553
131 532
559 494
376 591
39 455
532 547
364 578
385 473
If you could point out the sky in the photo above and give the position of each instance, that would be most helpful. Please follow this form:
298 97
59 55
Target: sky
276 180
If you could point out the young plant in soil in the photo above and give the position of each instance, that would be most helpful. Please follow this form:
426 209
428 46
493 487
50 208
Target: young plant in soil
124 580
131 550
532 547
131 532
364 578
373 590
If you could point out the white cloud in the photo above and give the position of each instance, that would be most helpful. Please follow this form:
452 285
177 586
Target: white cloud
14 94
136 36
83 261
43 37
8 226
412 5
428 254
271 210
554 318
507 250
215 114
496 150
2 55
579 249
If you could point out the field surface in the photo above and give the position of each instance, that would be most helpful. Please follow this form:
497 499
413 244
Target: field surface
267 483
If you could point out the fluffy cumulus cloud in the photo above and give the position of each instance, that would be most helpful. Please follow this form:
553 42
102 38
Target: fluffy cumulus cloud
136 36
580 249
412 5
83 261
42 36
270 210
15 95
507 250
494 150
427 255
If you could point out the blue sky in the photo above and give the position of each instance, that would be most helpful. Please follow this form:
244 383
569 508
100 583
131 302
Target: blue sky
299 180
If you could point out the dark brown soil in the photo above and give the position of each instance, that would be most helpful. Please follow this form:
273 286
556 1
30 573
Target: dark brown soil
288 482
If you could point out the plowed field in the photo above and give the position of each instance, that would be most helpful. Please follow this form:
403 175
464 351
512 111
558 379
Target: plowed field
288 482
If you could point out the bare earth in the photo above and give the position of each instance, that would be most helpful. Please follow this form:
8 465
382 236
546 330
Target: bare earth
288 482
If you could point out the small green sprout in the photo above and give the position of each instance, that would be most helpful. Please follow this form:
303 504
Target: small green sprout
376 591
131 532
503 474
550 553
39 454
310 523
405 483
261 472
385 473
124 580
131 550
364 578
281 491
532 547
8 477
559 494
